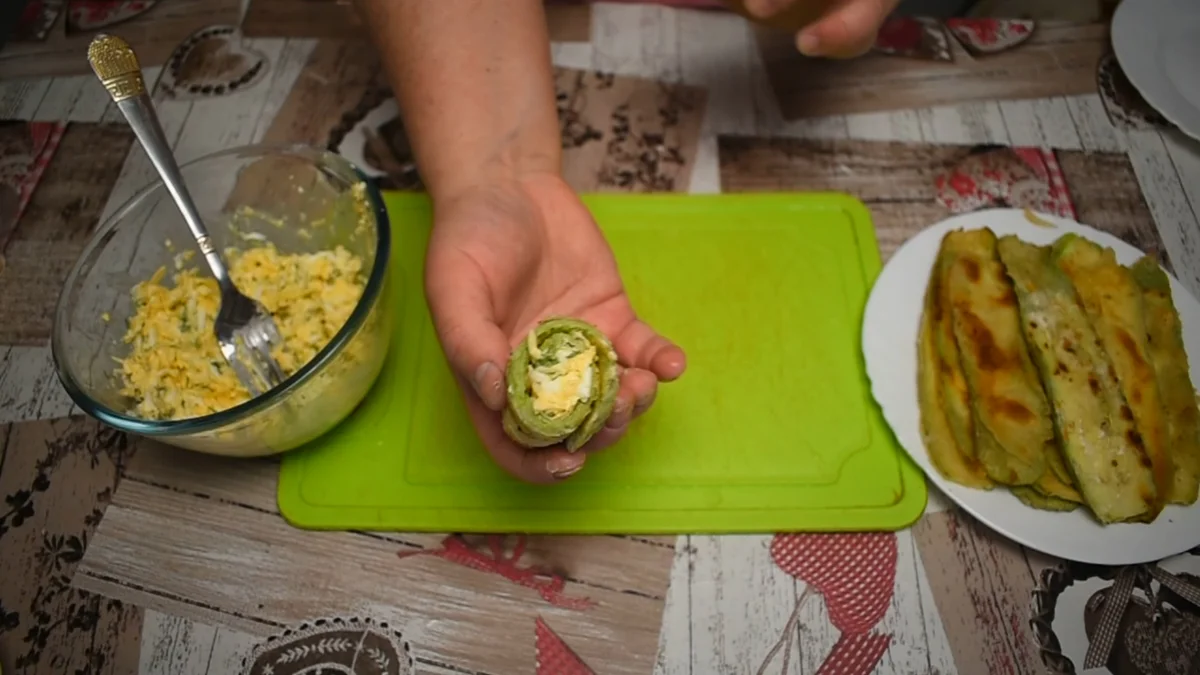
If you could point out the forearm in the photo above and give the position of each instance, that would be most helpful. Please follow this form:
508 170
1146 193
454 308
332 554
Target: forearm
475 86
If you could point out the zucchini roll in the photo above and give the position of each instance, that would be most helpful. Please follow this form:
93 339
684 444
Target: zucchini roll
562 384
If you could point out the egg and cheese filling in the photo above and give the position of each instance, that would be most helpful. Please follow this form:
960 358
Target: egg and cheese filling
175 370
562 373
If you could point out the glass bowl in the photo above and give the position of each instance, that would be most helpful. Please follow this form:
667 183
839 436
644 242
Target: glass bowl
301 200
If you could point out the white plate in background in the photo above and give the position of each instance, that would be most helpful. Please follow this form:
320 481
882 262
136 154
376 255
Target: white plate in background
1157 44
891 325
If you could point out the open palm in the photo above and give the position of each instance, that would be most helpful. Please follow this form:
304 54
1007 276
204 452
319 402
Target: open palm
503 257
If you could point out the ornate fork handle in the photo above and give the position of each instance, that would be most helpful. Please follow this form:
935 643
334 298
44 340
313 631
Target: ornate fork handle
117 66
245 330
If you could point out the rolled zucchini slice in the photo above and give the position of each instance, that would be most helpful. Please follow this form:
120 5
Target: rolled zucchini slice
562 384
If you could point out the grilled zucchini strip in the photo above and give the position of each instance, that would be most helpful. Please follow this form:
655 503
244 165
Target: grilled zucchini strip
1167 353
1113 303
947 456
955 394
1100 442
1011 413
1036 500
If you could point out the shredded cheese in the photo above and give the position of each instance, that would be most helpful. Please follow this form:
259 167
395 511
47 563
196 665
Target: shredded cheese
1035 219
175 369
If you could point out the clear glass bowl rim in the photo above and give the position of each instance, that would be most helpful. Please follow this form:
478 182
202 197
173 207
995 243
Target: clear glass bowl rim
217 420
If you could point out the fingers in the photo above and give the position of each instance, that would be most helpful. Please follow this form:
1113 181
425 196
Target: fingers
540 466
550 465
638 389
474 345
847 29
640 347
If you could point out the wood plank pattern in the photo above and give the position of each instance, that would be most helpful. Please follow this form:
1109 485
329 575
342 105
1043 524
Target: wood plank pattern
26 148
20 97
1096 131
56 226
153 35
332 82
1105 190
896 180
173 645
74 98
1040 123
741 636
1159 177
675 640
252 484
981 585
912 650
966 123
1063 56
233 561
56 479
940 653
29 387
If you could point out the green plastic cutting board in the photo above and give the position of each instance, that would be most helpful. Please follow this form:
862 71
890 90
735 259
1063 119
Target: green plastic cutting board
772 428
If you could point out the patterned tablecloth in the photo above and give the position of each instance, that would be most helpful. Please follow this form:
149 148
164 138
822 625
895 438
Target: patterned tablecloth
121 556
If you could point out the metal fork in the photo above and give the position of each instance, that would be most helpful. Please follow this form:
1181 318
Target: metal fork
245 330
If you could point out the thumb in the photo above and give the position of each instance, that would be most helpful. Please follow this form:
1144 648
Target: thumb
847 30
466 326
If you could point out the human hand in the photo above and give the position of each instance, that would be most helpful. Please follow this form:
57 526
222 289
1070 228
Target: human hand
503 257
834 28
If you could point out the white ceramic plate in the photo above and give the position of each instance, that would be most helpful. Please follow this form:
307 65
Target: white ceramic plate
1157 43
890 328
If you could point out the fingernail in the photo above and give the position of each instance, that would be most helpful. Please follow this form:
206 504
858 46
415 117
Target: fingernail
809 44
489 392
619 412
621 405
561 466
644 402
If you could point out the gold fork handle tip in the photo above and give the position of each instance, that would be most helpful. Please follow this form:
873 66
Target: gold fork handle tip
116 64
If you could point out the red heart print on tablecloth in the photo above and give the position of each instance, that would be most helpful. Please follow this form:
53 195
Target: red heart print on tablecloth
553 655
90 15
1029 178
855 573
37 20
984 177
1057 198
913 37
547 584
990 36
855 654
